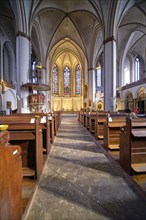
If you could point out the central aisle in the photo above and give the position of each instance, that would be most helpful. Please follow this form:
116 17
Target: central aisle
80 181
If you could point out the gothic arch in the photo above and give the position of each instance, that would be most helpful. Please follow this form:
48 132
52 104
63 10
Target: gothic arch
9 63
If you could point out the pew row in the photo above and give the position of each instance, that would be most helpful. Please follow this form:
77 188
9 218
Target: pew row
133 145
112 131
103 118
94 122
57 118
99 126
47 124
83 118
53 117
10 179
29 137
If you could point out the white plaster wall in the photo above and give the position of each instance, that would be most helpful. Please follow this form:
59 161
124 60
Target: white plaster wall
9 95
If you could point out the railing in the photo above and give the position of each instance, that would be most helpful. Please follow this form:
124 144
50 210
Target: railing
133 84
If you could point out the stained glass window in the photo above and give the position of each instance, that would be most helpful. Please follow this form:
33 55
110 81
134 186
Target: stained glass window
98 76
137 68
55 79
33 70
78 80
67 90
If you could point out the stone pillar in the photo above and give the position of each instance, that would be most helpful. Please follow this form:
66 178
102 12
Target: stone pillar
44 78
110 63
23 70
91 85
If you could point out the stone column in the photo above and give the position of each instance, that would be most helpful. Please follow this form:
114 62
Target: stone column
44 75
91 85
110 63
23 70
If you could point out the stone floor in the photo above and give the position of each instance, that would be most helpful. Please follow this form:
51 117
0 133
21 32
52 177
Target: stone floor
81 181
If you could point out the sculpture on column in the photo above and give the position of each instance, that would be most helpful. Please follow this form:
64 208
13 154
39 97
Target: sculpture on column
38 71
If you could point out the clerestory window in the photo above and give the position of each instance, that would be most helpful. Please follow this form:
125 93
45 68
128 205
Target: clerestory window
55 80
78 80
137 69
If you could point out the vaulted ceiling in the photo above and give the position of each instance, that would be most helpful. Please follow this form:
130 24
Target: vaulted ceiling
84 24
78 27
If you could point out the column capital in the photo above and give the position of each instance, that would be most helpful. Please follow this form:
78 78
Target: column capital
90 69
20 33
112 38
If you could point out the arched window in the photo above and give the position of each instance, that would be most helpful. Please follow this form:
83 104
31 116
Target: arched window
98 84
78 80
55 80
127 71
33 67
98 76
137 69
67 89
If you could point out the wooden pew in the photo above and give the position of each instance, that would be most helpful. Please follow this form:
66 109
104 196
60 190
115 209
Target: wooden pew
47 124
87 116
51 119
57 118
92 119
79 116
99 126
112 131
54 119
89 121
29 137
133 145
83 118
10 179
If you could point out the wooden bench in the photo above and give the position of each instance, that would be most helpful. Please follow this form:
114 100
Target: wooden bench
83 118
112 131
57 118
99 126
54 119
29 137
92 119
87 117
47 124
80 115
133 145
10 179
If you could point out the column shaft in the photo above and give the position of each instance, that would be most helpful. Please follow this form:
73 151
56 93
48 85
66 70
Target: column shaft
110 75
23 69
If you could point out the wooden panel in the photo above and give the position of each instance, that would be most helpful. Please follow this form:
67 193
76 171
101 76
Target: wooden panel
22 135
29 137
133 147
10 182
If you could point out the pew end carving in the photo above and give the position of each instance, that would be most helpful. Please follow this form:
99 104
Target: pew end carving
133 146
10 179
